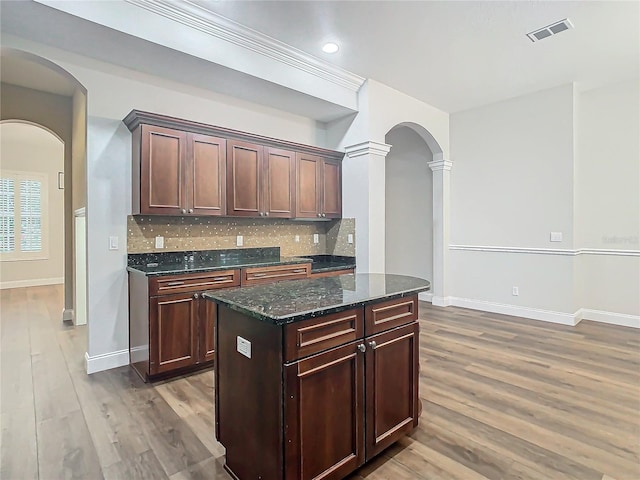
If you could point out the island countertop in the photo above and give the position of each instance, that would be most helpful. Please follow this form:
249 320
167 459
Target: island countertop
295 300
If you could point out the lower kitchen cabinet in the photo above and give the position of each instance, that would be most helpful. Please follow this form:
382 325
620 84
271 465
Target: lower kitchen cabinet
171 327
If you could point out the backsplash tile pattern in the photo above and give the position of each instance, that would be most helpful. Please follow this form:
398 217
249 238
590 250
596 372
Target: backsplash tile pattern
338 236
206 233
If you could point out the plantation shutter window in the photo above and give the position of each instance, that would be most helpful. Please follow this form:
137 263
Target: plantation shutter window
22 212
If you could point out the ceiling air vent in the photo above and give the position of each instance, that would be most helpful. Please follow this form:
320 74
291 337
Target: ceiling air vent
549 30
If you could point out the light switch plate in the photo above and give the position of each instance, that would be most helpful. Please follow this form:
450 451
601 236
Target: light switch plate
113 243
555 237
316 238
350 238
243 346
159 242
239 241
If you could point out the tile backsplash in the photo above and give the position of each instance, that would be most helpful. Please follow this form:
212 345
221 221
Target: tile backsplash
210 233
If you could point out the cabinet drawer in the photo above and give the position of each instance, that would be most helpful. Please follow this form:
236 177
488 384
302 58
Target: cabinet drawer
258 275
318 334
393 313
193 282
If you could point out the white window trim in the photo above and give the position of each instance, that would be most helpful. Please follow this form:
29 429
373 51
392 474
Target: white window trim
43 254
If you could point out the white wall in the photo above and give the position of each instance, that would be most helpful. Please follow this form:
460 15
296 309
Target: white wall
608 196
409 205
27 148
511 185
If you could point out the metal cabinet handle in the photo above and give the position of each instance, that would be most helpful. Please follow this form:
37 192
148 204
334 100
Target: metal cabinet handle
174 284
266 214
362 347
372 344
259 274
218 279
184 210
299 270
191 210
196 296
323 215
319 214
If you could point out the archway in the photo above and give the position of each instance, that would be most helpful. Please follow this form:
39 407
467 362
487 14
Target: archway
416 207
37 91
408 205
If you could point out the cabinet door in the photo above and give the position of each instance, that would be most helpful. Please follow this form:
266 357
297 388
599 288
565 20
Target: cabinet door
244 177
324 400
207 317
308 174
207 179
332 189
392 386
162 157
279 183
173 332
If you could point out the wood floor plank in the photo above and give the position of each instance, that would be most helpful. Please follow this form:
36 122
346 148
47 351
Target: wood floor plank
19 450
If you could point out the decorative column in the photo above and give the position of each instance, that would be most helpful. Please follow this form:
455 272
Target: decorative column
363 198
441 191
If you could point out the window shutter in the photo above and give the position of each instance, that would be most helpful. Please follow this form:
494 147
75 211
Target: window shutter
30 215
7 220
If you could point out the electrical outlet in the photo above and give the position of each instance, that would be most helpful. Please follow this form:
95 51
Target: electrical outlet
515 292
113 243
316 238
296 238
159 242
350 238
555 237
239 241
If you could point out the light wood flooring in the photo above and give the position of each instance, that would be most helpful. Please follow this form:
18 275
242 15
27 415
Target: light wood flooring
503 398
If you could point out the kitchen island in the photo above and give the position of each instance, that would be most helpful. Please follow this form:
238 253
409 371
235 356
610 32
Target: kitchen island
315 377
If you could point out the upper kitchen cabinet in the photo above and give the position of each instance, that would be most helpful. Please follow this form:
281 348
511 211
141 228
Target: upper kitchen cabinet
318 187
182 167
260 181
177 173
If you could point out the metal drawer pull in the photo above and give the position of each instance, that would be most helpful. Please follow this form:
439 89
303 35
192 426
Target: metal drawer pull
259 274
299 270
184 210
362 347
174 284
372 344
191 210
215 279
196 296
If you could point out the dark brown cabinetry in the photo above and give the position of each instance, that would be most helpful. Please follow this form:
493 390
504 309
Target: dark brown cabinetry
260 181
187 168
177 173
318 187
258 275
347 391
171 327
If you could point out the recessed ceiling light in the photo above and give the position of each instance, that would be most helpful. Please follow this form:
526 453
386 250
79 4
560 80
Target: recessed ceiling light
330 47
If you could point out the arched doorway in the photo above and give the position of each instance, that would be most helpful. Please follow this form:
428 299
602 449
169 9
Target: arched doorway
37 91
416 199
409 205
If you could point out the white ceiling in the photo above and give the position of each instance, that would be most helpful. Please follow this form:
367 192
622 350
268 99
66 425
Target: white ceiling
453 55
457 55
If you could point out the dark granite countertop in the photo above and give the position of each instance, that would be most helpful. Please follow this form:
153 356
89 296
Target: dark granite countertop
175 263
330 263
295 300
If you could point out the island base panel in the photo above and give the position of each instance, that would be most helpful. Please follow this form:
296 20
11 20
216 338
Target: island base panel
249 396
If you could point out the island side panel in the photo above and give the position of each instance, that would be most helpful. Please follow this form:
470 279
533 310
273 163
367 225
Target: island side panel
139 323
248 395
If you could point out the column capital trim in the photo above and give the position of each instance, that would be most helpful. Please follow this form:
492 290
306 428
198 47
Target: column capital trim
441 164
367 148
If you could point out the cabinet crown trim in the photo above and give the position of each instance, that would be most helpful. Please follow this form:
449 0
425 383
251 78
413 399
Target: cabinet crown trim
137 117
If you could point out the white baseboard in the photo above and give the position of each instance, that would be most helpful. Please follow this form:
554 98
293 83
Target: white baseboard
613 318
425 296
517 311
106 361
38 282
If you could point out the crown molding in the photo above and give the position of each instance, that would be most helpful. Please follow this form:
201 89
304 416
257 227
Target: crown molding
194 16
440 164
367 148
